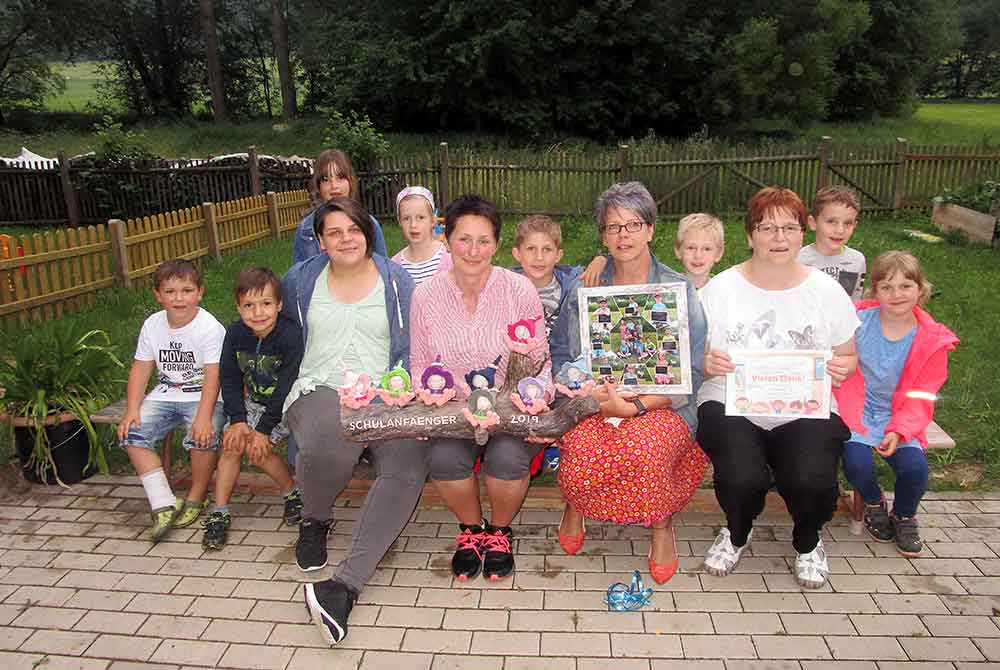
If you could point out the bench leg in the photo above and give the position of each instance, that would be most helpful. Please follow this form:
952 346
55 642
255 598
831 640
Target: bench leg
857 514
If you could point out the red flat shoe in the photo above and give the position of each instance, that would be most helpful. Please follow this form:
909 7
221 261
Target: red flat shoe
571 543
662 572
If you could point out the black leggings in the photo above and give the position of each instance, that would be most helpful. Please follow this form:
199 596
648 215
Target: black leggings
802 454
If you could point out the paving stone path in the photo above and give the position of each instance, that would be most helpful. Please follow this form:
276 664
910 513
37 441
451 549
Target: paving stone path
80 588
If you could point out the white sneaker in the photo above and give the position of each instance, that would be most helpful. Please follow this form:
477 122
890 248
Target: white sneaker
722 556
811 569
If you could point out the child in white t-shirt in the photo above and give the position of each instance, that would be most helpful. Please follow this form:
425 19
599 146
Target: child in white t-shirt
425 255
183 343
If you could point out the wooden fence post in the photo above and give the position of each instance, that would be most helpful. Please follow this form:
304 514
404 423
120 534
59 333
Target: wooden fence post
211 231
254 169
444 176
623 162
69 193
824 162
272 213
119 251
899 185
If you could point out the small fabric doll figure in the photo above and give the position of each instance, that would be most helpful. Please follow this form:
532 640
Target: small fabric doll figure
396 388
483 378
530 396
479 409
438 384
357 390
521 336
574 378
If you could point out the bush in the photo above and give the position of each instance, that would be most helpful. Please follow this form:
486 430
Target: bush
982 197
355 135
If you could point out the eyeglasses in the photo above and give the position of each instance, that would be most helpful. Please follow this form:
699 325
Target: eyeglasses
788 229
630 226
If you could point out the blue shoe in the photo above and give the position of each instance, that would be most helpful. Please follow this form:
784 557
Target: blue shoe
550 460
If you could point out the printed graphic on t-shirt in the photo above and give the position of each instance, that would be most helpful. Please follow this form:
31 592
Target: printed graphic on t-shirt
763 333
175 363
847 279
260 373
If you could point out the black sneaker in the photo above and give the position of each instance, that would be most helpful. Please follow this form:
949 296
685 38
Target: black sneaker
498 561
877 522
216 530
468 560
293 508
310 550
908 541
330 603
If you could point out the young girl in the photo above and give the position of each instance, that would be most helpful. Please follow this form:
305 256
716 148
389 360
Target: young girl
889 401
333 177
425 255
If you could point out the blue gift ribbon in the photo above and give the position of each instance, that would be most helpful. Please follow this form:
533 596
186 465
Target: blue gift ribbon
622 598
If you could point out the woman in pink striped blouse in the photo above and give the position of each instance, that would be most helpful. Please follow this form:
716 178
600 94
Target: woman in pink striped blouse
462 316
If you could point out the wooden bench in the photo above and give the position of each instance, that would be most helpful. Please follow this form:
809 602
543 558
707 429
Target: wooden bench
112 415
936 439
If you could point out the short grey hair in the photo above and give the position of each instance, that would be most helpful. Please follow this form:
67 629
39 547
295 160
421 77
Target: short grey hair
630 195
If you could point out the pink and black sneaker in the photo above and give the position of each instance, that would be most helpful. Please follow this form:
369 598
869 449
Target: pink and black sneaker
468 559
498 559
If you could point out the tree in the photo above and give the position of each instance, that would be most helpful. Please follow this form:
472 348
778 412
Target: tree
279 37
973 68
215 81
26 45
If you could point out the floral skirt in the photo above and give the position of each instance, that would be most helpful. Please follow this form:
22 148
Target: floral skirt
642 471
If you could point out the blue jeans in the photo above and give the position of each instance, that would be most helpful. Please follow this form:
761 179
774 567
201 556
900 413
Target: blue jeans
910 466
159 417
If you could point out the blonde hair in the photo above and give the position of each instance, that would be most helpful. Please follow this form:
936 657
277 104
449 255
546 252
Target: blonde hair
538 223
699 221
891 262
838 194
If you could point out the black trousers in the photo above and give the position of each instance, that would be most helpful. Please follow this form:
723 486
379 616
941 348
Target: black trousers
803 455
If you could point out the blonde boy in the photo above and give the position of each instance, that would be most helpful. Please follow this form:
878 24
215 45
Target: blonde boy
835 212
183 343
700 243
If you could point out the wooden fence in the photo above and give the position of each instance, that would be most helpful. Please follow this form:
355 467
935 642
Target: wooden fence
43 276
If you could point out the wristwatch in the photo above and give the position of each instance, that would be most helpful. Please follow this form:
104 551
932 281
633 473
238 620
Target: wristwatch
639 406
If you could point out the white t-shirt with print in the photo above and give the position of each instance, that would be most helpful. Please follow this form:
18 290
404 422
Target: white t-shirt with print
816 314
181 354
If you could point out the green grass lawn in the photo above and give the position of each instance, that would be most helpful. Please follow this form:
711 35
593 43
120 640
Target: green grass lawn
964 276
81 87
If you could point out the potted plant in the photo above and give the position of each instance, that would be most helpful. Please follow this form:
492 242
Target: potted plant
51 380
973 209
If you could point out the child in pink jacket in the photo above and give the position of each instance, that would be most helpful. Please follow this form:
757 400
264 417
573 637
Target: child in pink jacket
889 401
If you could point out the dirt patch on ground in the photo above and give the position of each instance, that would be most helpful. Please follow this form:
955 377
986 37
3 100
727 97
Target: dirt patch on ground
966 475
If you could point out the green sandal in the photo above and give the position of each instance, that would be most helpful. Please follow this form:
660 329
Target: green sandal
189 512
163 521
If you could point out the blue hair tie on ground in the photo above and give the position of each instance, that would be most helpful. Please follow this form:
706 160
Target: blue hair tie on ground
622 598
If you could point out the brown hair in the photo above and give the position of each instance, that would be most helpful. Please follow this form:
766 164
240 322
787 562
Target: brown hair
355 211
891 262
838 194
538 223
255 280
773 198
340 164
176 268
472 205
699 221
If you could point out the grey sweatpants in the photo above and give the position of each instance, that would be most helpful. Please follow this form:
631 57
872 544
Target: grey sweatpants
324 466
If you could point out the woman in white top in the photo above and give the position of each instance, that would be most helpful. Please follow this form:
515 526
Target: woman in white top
771 302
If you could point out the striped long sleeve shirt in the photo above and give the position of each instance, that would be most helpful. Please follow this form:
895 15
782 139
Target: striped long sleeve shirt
442 325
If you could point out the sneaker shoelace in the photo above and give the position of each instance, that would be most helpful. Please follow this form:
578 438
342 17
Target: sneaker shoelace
498 541
214 519
469 540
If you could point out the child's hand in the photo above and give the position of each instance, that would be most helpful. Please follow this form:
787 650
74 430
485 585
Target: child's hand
258 448
887 447
234 439
131 418
718 363
202 432
592 273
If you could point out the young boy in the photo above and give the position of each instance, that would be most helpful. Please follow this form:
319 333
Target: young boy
700 243
835 212
183 343
260 361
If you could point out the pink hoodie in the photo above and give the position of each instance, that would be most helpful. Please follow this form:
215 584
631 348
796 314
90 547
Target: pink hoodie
925 371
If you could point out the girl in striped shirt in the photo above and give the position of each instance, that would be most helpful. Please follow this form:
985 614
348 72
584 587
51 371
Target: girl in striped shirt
424 256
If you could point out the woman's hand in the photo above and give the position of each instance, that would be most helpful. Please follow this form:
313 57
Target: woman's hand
840 368
614 404
717 363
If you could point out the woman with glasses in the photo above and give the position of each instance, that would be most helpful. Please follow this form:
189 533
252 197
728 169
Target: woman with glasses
636 462
772 302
